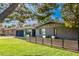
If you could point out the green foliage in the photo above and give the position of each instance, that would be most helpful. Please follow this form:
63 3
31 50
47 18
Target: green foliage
46 7
71 15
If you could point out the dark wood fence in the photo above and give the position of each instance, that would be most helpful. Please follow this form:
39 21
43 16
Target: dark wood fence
62 43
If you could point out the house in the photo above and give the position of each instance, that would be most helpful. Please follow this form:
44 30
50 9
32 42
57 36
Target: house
29 27
56 29
64 37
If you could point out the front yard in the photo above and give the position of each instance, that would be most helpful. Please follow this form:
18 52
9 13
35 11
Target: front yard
19 47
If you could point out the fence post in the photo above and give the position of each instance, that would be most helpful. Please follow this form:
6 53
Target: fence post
30 39
78 39
43 37
35 39
62 43
51 42
42 40
78 44
52 38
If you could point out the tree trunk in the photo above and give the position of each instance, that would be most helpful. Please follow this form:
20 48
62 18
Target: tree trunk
8 11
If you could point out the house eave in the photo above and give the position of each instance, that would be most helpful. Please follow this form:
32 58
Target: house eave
50 22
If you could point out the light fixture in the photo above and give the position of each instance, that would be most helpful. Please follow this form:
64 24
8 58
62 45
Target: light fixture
53 37
44 36
28 35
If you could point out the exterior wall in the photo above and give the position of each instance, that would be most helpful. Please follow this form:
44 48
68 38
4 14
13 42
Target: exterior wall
28 32
60 33
14 33
66 34
38 34
49 32
10 32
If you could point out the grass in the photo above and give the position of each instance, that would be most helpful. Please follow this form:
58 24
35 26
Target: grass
18 47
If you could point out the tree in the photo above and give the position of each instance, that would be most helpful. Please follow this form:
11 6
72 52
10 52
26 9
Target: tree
44 9
8 11
71 15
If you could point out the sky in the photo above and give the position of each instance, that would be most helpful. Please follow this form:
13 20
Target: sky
57 13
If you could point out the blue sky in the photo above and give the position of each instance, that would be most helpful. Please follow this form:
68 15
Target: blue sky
57 13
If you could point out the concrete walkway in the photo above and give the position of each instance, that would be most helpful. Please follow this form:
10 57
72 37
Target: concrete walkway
6 37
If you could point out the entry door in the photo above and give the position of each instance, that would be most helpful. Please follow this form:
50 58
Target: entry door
33 32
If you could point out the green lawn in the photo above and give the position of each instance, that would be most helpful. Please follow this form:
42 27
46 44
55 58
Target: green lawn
18 47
